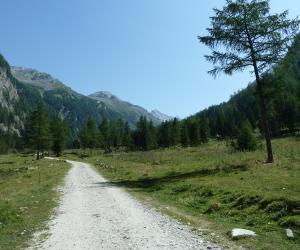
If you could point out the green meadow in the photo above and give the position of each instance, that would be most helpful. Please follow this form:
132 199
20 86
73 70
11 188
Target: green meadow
28 196
217 189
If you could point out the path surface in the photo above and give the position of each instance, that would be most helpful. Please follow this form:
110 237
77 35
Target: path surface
96 215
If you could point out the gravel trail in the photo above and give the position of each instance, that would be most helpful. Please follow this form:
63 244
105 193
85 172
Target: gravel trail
93 214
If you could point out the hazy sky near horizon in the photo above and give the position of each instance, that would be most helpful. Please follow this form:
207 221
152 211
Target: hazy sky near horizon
144 51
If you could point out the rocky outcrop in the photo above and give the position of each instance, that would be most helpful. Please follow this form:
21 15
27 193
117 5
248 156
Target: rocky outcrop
10 120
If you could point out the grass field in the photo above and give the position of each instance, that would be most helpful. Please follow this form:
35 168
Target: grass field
215 188
27 196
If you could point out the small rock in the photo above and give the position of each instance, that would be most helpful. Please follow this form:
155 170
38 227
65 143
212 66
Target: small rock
289 233
23 208
239 232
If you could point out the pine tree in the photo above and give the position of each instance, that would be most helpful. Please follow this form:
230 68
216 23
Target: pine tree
184 138
127 140
105 134
88 135
165 134
175 132
194 132
59 131
204 131
39 136
244 34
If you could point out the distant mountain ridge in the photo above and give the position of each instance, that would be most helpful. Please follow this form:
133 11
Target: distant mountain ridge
123 108
23 88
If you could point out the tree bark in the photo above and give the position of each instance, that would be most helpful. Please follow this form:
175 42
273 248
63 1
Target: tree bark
264 120
261 100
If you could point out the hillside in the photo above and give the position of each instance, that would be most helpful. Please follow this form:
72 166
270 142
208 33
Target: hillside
283 95
33 85
123 109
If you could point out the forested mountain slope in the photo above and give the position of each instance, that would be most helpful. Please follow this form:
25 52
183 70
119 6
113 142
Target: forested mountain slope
283 95
75 108
21 89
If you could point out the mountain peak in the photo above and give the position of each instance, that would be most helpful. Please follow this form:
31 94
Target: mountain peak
103 94
161 116
36 78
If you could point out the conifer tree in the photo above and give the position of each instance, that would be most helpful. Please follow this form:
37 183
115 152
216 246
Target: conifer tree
246 140
175 132
88 135
127 141
184 138
39 135
194 133
59 131
244 34
105 134
204 131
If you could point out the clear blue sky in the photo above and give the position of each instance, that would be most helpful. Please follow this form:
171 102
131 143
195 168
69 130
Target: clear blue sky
144 51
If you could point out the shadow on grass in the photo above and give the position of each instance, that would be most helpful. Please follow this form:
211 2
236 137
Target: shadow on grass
151 182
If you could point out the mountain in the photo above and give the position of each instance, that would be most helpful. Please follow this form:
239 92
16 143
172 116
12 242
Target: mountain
123 109
162 117
26 87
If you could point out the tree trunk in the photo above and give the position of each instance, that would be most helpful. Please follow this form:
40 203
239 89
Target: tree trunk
261 98
264 121
37 155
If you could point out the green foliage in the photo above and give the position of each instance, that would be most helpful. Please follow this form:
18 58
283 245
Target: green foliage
38 130
185 138
89 135
246 140
145 136
105 135
59 131
244 34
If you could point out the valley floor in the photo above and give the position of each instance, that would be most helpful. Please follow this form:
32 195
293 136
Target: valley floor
216 189
94 214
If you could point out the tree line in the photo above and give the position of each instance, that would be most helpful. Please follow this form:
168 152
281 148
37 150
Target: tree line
43 134
117 134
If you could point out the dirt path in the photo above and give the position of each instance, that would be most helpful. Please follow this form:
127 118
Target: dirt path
95 215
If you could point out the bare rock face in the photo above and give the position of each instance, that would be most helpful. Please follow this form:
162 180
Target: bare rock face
10 120
8 92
